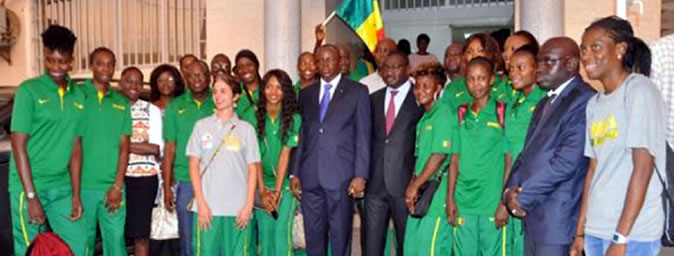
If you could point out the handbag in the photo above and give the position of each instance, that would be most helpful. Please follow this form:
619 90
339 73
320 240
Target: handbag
426 193
210 161
299 241
164 222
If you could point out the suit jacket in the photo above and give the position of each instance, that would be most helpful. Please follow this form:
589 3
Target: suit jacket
332 152
392 162
552 166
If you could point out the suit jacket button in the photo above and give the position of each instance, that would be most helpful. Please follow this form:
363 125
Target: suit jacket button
387 141
320 130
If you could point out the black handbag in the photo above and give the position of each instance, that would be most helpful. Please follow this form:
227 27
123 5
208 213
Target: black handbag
426 193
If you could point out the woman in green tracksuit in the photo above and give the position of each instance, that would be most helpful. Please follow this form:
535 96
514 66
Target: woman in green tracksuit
436 133
478 169
277 122
522 70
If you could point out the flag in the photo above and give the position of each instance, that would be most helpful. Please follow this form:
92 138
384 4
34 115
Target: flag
364 17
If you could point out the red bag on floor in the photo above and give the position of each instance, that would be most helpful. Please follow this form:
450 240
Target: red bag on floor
48 244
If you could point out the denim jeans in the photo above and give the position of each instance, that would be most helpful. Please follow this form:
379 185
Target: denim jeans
595 246
185 193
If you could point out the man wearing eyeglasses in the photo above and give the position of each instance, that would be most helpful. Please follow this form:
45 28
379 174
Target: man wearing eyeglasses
179 119
545 185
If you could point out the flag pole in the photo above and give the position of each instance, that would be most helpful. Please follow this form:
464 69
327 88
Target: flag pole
328 19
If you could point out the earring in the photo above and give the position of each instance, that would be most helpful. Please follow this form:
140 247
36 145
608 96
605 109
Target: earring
620 56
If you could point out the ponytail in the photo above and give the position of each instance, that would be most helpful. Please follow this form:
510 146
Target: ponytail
637 57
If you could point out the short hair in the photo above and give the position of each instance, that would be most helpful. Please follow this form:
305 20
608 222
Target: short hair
529 37
423 36
154 84
433 69
100 50
132 68
528 49
59 38
401 54
481 61
189 55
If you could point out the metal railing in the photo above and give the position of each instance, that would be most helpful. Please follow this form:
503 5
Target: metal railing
142 33
416 4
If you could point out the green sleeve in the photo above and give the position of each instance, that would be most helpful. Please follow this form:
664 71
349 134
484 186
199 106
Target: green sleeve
442 131
169 129
22 113
294 132
127 128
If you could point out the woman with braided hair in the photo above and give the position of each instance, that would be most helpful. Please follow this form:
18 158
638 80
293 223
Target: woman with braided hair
277 121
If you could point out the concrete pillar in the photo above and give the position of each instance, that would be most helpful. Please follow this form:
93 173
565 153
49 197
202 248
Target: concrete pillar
282 35
543 18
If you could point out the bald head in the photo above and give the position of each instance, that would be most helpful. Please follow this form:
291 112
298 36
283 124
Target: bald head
452 61
558 60
384 47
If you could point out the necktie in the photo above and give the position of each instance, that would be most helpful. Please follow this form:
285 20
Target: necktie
391 112
547 105
325 100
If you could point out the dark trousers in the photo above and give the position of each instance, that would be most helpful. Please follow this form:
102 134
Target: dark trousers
380 208
328 214
533 248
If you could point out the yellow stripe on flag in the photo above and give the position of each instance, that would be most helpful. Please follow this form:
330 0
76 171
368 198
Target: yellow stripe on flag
372 29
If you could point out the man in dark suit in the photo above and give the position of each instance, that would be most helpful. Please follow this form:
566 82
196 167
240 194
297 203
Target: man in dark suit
395 114
331 163
546 181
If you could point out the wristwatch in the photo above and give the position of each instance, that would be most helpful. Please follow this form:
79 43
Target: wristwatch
30 195
619 238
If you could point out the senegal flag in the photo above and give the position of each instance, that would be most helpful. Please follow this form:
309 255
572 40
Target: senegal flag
363 16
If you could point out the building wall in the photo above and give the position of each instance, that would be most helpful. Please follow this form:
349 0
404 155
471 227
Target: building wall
578 14
13 74
438 23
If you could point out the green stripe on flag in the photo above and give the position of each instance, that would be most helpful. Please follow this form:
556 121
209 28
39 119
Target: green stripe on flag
355 12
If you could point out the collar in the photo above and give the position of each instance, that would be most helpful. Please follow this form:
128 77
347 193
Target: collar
231 121
51 85
334 82
489 109
561 88
402 90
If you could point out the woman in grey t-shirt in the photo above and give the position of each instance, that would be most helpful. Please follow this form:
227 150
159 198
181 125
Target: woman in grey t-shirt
621 213
224 161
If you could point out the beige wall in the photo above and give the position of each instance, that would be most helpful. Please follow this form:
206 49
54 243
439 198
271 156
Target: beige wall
20 52
233 25
578 14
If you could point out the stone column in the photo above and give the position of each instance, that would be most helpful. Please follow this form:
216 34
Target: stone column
282 35
543 18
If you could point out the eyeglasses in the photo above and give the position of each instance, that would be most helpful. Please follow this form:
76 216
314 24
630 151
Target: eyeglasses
551 61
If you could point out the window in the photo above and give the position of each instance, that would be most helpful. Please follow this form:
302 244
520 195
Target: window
142 33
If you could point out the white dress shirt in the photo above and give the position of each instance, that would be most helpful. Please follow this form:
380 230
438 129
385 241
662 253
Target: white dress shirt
334 83
399 98
559 89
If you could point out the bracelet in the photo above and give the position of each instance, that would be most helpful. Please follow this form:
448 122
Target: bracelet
580 235
116 187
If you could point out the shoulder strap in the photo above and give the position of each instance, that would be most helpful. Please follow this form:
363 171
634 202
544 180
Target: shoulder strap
462 112
500 113
217 150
